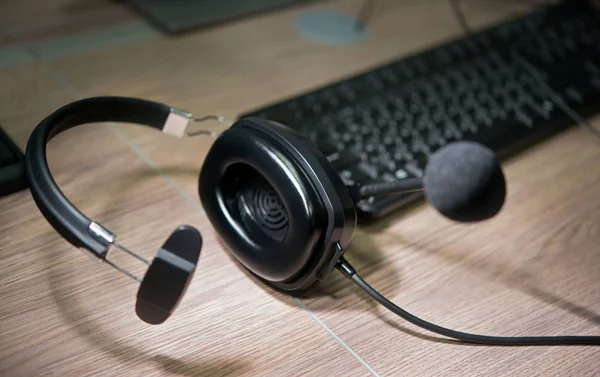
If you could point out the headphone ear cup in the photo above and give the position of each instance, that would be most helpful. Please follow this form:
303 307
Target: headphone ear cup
261 204
279 215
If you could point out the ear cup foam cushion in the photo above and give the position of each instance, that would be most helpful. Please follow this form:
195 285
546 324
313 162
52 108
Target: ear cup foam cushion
327 181
262 204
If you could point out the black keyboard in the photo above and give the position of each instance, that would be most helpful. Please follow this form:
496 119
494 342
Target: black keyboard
384 123
12 170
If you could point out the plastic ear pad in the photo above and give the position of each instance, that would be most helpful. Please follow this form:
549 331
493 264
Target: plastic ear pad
169 275
276 202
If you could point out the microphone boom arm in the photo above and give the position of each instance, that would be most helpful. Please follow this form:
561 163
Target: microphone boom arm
359 192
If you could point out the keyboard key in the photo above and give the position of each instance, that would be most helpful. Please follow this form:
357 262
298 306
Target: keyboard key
344 160
368 169
326 147
574 94
414 169
401 174
387 177
346 176
333 157
523 117
357 175
387 161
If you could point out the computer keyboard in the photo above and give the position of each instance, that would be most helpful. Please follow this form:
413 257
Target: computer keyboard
384 123
12 171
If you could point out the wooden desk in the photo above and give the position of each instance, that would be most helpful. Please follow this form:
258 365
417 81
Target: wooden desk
534 269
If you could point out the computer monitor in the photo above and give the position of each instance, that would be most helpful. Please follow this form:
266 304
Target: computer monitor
181 15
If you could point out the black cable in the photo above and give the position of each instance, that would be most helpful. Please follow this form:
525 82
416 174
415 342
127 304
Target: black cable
350 273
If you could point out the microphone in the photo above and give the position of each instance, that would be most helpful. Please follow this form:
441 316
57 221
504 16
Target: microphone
463 181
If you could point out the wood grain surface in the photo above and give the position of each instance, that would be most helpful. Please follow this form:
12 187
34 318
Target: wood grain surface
532 270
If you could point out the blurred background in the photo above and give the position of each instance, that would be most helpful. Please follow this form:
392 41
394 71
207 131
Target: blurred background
378 86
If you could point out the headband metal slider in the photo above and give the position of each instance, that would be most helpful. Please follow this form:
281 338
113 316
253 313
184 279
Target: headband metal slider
107 238
178 121
101 234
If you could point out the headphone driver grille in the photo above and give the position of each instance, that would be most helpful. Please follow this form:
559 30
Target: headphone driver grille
261 207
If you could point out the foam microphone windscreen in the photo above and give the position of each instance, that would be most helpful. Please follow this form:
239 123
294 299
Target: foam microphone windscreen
465 182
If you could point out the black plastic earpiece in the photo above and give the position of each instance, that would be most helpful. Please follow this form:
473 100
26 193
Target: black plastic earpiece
277 203
169 275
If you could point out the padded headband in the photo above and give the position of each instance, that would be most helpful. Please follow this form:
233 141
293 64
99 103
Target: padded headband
67 220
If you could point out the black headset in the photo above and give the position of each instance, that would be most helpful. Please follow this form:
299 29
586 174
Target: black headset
274 199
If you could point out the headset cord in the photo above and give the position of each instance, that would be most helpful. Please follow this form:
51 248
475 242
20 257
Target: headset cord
349 272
